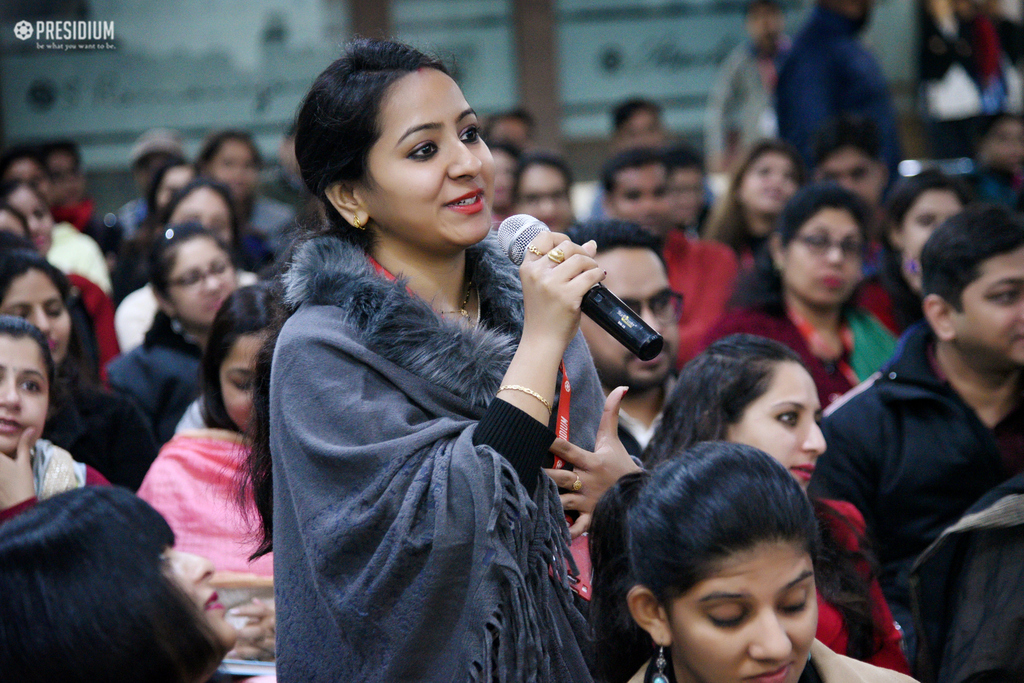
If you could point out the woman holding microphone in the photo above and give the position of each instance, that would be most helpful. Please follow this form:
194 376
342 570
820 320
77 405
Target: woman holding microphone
404 406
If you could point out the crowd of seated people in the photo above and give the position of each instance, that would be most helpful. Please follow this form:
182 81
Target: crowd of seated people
864 329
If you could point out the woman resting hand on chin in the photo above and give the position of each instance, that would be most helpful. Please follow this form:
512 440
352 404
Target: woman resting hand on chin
402 411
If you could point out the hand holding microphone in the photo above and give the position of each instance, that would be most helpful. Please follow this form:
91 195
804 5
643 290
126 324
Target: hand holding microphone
521 237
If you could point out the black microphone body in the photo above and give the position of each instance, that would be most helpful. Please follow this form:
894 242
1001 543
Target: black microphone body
599 304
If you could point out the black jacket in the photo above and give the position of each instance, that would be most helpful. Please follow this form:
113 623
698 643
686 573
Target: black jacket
105 431
161 376
967 597
911 456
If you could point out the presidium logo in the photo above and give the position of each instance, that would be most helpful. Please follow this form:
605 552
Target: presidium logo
67 35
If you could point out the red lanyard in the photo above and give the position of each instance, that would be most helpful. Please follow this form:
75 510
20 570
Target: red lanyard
562 423
820 348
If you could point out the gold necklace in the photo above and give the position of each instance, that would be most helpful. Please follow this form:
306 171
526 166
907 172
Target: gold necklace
462 309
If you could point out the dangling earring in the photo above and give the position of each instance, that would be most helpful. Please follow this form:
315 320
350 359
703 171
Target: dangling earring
659 663
355 223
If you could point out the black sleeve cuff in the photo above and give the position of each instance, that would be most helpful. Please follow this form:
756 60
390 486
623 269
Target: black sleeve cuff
519 438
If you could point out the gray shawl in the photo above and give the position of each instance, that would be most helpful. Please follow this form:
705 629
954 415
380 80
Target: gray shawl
402 551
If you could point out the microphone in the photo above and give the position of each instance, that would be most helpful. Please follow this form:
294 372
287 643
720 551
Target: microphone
515 234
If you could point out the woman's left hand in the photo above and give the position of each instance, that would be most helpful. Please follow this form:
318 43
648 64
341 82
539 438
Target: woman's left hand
256 637
598 471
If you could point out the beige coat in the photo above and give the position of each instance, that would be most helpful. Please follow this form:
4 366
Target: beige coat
833 668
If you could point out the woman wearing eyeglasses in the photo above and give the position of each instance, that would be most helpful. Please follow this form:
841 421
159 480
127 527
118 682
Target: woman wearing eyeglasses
801 290
191 273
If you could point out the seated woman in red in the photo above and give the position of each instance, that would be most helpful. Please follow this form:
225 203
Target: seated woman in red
755 391
31 468
802 288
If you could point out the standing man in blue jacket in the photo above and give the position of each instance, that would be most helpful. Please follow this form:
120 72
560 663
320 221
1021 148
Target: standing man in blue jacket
829 72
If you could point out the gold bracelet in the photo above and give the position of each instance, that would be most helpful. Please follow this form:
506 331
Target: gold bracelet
529 392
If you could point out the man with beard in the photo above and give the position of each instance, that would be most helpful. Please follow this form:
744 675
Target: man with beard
635 272
829 72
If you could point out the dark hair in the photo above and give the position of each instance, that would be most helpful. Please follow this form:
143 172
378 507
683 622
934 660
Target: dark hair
68 147
773 4
669 529
952 257
727 223
87 597
987 122
217 139
548 159
15 262
220 189
337 125
763 285
18 152
338 121
5 207
165 251
158 177
626 110
611 233
682 156
906 303
636 157
713 391
519 113
248 310
846 130
9 187
508 148
18 328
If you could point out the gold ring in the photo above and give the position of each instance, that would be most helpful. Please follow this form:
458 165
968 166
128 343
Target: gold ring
556 255
577 485
534 250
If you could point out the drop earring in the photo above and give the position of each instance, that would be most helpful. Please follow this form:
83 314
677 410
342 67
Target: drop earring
659 664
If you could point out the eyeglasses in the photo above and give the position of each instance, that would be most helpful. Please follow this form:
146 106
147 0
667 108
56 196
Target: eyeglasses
194 277
666 305
821 245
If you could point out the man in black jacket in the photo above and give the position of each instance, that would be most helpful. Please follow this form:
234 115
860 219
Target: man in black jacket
943 422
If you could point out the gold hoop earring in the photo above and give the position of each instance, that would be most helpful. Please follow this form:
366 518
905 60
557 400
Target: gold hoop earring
356 224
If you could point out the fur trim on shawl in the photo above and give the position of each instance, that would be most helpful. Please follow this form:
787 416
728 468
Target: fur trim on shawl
403 328
402 550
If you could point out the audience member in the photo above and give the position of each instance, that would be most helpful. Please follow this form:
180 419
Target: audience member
967 64
635 189
94 591
191 274
917 205
829 72
61 244
637 122
801 291
688 195
133 262
513 127
283 183
703 272
31 468
541 188
1000 160
941 424
706 569
97 326
69 202
231 157
966 593
202 201
13 221
506 160
847 151
193 482
741 108
635 271
98 428
757 392
151 150
759 188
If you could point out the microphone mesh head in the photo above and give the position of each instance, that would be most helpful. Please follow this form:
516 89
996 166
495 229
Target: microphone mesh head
515 234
